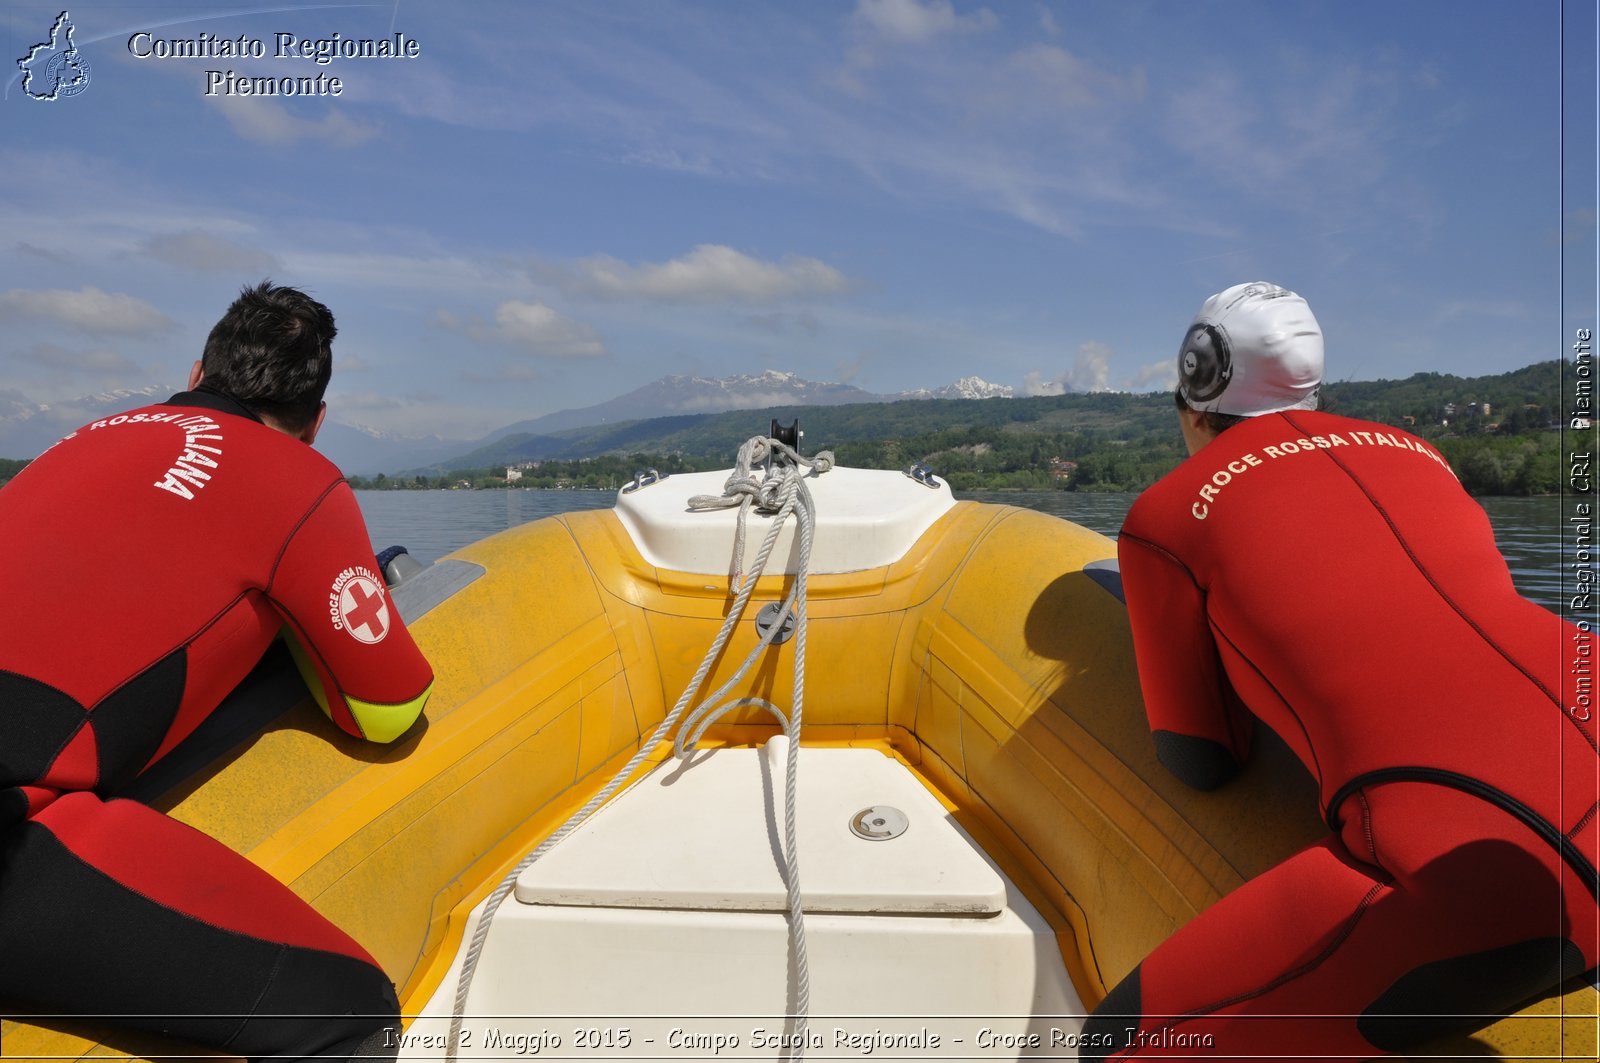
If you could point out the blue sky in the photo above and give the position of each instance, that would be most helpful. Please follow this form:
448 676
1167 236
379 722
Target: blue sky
556 202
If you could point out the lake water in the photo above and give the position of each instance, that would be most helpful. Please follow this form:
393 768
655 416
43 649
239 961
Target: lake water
433 523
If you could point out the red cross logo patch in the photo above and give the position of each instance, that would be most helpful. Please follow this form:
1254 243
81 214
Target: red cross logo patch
359 605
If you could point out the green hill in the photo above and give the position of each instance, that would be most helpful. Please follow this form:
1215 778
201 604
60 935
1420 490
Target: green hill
1497 431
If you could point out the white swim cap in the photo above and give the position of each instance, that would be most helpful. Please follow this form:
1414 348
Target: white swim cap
1255 348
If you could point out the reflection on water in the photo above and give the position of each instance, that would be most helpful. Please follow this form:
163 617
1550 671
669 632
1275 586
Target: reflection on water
430 524
1528 531
433 523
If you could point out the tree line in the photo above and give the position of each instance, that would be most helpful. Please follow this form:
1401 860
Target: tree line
977 458
1104 441
1499 433
9 467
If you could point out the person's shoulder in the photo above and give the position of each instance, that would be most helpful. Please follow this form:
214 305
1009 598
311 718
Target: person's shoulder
1323 421
1354 429
291 462
1322 418
303 461
1148 509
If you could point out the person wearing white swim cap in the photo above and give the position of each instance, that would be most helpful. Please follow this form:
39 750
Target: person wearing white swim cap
1330 578
1255 348
1252 349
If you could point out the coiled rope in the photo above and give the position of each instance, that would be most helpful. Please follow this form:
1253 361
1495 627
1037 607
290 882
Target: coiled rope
781 492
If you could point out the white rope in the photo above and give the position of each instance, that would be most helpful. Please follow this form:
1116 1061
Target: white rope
782 492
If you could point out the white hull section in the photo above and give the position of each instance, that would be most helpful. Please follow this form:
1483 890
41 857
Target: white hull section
659 929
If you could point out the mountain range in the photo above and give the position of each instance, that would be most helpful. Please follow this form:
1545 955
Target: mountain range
27 427
674 395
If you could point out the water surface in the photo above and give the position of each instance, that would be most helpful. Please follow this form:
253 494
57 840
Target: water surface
433 523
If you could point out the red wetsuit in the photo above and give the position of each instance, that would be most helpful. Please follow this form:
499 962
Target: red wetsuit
146 562
1331 577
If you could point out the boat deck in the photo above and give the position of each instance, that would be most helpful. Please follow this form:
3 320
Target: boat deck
669 906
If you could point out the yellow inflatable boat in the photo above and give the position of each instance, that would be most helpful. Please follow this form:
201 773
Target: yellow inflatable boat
982 842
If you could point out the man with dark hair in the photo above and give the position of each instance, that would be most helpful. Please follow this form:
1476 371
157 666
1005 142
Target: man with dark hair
150 558
1330 577
273 352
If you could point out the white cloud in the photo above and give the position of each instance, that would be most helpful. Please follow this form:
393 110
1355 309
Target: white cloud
1034 132
1034 383
711 273
265 122
1321 144
920 20
1157 376
1090 371
52 357
546 332
1091 368
88 310
60 374
530 327
929 109
1047 79
205 253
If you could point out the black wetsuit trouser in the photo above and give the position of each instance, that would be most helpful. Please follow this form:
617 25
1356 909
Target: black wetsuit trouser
112 911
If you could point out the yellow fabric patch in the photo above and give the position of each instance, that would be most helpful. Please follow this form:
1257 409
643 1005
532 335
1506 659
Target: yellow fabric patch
378 723
385 723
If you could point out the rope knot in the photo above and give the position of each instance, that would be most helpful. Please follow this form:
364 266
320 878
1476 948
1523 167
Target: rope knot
782 493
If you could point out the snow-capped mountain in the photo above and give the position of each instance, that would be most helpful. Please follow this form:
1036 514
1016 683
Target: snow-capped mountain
672 395
968 387
28 427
